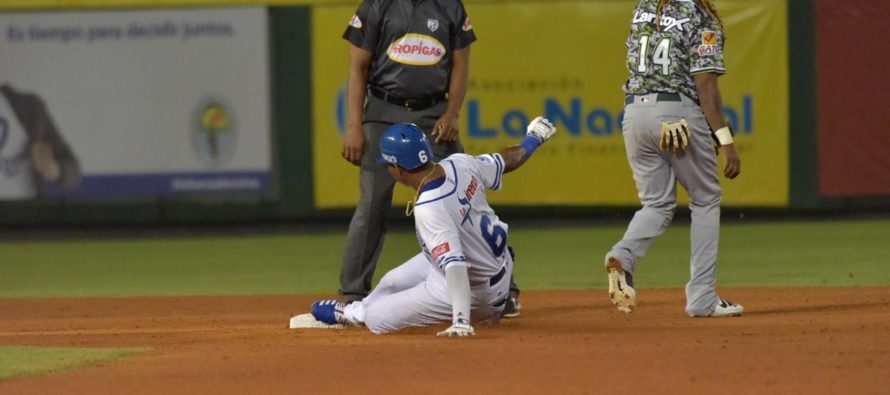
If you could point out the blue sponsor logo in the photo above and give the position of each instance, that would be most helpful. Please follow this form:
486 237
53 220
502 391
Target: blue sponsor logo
12 165
744 122
389 158
570 116
340 110
576 121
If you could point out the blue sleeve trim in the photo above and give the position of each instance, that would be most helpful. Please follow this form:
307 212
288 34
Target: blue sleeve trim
450 260
433 184
453 170
499 162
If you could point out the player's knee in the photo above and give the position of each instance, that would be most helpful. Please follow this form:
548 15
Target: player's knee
706 200
386 284
665 211
376 320
663 207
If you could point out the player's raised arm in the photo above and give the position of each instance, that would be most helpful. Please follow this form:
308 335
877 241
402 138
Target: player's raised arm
538 132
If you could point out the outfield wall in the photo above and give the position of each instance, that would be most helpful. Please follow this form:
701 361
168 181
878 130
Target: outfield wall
559 71
278 101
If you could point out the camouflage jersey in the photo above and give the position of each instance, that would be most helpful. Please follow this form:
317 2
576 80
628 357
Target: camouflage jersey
689 43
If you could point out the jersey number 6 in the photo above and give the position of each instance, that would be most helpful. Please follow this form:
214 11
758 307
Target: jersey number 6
494 235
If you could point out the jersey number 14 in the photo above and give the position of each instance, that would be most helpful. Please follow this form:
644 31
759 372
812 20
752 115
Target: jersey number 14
661 55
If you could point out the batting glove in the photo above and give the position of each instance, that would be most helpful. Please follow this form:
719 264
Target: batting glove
458 330
541 128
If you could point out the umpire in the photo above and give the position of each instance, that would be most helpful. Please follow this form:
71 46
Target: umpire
409 63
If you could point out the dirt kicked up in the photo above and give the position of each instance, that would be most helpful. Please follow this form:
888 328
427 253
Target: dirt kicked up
790 341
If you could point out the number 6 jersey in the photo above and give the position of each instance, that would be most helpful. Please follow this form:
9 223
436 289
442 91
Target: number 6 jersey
454 223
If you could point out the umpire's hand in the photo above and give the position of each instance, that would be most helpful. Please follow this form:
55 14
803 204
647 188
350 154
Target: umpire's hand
354 145
445 129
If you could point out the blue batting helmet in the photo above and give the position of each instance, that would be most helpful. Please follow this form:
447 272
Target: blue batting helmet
404 145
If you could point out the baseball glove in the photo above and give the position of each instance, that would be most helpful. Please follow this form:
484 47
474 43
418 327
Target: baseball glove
674 136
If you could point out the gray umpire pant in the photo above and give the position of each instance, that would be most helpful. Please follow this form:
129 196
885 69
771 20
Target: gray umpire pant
656 174
364 241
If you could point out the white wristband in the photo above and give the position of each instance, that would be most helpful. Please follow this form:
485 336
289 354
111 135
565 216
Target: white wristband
724 135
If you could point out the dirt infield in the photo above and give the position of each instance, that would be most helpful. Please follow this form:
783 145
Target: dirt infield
791 341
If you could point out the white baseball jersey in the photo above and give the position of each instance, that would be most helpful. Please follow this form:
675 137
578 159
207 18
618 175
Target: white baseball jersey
455 226
16 174
454 223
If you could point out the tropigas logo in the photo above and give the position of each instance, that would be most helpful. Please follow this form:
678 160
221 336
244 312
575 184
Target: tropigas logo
416 49
213 135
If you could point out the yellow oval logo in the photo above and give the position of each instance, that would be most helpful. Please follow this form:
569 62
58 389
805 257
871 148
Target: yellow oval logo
416 49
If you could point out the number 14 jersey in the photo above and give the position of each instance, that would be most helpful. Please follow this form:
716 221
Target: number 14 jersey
664 59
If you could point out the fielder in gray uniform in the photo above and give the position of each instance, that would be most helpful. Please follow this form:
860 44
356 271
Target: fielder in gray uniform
409 63
673 121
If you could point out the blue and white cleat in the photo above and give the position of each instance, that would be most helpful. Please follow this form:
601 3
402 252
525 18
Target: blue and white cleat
330 312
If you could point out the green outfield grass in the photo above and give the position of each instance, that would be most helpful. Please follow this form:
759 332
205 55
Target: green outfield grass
27 361
815 253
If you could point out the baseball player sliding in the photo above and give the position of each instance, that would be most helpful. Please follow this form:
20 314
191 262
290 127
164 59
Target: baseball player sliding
463 272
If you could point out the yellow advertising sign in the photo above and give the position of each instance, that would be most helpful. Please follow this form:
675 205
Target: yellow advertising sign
72 4
565 60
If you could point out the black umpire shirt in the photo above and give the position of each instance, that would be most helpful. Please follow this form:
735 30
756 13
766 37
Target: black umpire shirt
411 42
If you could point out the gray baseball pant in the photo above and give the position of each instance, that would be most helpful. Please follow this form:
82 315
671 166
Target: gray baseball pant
656 174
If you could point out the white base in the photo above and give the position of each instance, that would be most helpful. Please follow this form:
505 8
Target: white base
304 321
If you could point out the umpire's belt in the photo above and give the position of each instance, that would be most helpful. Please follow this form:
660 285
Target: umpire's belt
629 99
408 104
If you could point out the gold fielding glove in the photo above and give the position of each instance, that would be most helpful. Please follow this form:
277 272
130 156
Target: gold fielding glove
674 136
